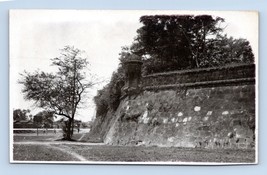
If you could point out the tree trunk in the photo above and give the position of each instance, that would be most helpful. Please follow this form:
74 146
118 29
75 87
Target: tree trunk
72 127
73 100
69 135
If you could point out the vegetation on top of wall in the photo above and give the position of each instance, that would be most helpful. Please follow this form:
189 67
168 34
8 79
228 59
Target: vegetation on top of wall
108 98
177 42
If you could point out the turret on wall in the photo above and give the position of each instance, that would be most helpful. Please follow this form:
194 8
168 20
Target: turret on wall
132 68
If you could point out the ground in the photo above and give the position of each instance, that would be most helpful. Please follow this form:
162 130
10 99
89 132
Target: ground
49 147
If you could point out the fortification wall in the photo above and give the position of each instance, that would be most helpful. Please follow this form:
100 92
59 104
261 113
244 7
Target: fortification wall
212 108
217 76
206 117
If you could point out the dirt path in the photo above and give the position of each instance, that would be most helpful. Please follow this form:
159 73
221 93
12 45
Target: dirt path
81 137
74 155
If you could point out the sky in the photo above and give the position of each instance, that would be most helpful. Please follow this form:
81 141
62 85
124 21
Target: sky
36 36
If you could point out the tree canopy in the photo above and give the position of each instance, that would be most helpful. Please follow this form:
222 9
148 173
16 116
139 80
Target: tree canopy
21 114
44 118
174 42
62 91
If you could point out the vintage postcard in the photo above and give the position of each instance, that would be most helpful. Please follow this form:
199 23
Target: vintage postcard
133 87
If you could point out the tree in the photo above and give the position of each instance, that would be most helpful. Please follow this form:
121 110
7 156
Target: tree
19 114
223 50
173 42
60 92
44 119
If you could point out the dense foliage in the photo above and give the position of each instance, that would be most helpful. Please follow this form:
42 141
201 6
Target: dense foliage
109 97
21 114
44 119
175 42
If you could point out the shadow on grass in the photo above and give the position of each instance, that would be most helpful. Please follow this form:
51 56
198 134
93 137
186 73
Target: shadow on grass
67 140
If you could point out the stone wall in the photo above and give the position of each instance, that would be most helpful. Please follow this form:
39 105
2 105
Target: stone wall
218 76
211 108
221 117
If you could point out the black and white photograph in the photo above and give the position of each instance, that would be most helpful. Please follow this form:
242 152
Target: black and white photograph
159 87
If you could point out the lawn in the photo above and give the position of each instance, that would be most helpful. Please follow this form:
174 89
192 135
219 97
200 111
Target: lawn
40 153
44 147
130 154
158 154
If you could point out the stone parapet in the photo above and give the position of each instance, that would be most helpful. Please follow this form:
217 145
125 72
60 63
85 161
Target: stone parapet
195 77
